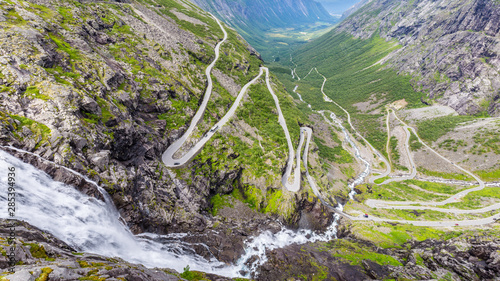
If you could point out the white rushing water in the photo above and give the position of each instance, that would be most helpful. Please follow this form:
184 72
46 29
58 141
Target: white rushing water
357 153
267 241
361 177
90 225
93 226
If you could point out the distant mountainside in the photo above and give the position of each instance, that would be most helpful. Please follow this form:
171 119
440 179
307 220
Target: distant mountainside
272 27
337 7
449 48
354 8
265 14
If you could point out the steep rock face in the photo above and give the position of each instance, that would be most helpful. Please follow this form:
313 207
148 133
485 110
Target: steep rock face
104 88
451 48
266 14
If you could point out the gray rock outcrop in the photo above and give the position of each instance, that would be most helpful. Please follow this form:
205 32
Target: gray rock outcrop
450 47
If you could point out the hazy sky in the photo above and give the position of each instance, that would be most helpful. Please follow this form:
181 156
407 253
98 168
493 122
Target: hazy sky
337 6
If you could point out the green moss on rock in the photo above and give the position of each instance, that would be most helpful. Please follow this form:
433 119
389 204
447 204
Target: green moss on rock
45 274
38 251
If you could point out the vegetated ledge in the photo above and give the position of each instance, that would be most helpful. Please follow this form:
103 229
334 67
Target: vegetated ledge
391 251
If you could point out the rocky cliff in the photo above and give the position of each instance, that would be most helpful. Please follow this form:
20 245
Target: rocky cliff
104 87
450 48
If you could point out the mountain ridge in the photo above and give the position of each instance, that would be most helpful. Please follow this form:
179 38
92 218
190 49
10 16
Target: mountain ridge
281 13
452 56
272 27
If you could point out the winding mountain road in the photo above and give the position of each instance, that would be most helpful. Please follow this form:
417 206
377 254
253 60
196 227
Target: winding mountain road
406 204
454 198
294 73
453 223
310 179
348 139
481 183
408 152
388 144
413 169
382 158
167 156
295 185
291 184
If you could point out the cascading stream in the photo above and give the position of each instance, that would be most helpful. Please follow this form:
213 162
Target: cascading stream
347 137
357 153
267 241
90 225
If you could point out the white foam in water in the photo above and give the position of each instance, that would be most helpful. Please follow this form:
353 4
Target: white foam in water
357 153
267 241
295 91
90 225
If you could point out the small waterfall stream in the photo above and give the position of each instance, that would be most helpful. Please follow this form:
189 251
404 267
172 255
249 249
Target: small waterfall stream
357 153
90 225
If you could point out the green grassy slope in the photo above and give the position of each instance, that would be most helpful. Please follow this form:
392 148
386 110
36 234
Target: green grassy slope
354 75
350 65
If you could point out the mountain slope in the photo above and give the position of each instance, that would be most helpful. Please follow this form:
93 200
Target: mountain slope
449 48
104 88
266 14
272 27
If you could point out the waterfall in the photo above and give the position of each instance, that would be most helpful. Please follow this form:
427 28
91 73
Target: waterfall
90 225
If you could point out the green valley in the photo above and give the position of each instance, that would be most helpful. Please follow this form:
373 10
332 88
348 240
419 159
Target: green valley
249 140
